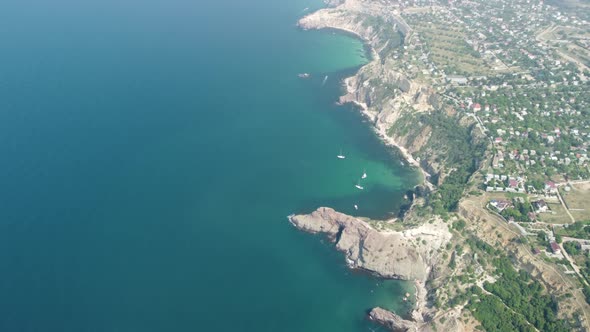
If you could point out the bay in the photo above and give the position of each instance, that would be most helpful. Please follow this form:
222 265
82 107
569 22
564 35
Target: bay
151 151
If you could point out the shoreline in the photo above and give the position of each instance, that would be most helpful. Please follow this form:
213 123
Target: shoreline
390 142
420 308
372 56
370 52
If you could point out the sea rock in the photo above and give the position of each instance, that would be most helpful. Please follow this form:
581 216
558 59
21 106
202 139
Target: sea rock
406 255
391 321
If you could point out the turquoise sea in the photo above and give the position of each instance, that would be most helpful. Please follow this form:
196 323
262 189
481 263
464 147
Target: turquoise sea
150 153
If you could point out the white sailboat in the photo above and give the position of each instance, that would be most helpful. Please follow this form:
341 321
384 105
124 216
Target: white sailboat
358 185
364 174
340 155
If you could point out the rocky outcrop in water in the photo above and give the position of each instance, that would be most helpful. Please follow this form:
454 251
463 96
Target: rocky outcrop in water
391 320
407 255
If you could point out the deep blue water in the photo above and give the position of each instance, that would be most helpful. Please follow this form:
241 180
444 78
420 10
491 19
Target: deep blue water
150 153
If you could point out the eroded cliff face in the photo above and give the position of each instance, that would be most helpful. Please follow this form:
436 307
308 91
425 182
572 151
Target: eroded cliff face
406 255
410 254
391 320
405 113
387 96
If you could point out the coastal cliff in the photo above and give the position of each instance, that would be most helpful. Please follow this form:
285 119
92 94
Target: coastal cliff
407 113
391 320
406 255
404 111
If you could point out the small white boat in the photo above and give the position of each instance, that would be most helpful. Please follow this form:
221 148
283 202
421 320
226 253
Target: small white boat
340 155
358 185
402 163
304 75
325 79
356 207
364 174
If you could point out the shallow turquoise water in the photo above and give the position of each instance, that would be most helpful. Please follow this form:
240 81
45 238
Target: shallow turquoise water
151 152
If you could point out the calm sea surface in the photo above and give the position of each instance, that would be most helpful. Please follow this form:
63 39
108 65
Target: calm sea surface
150 152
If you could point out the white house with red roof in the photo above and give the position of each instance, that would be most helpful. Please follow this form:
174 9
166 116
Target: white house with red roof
550 187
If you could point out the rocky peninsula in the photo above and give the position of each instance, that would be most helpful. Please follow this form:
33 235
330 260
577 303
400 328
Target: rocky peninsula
406 255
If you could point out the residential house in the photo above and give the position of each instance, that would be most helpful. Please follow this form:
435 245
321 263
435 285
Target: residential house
540 206
555 248
550 187
500 204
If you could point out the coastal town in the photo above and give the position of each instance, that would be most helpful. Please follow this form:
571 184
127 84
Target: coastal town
491 100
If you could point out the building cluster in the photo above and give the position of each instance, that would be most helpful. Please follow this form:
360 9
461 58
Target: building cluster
504 183
502 63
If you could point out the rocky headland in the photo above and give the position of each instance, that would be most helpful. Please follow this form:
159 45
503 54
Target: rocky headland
409 254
